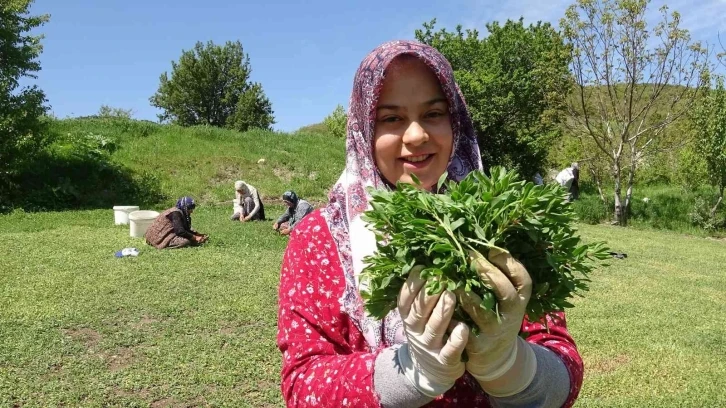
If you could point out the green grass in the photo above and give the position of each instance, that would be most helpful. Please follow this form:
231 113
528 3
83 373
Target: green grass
79 327
652 328
197 326
143 161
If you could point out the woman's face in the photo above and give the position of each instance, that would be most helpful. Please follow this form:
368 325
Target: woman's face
413 127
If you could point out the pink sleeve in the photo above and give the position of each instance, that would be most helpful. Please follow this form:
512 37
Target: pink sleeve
558 340
325 363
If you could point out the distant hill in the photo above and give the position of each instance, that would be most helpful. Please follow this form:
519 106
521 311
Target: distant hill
318 128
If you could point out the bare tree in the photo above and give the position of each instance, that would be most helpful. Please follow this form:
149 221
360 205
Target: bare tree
631 82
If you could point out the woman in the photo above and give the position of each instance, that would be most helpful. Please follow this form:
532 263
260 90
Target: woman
247 203
297 209
173 227
407 117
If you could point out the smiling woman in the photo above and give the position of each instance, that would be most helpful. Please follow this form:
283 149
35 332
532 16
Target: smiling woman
413 129
407 118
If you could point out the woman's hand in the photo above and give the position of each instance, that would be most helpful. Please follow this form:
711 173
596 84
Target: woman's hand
430 362
502 362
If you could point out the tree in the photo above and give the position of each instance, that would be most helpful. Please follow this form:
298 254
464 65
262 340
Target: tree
631 83
210 85
336 122
515 82
110 112
254 110
709 122
22 132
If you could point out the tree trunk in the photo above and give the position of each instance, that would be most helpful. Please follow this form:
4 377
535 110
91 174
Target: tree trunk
619 213
631 178
715 207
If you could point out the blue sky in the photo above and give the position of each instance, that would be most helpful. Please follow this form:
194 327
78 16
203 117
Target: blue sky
304 53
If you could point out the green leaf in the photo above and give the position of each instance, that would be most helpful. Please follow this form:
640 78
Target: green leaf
441 181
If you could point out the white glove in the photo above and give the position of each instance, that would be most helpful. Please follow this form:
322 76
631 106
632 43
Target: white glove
502 362
430 363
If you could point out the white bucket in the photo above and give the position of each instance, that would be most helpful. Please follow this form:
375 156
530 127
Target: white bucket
121 213
140 222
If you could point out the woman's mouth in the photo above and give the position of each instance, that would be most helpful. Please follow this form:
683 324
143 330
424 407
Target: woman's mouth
417 162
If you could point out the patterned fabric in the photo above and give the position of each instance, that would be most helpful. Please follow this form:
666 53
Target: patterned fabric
179 242
162 231
185 204
327 362
348 198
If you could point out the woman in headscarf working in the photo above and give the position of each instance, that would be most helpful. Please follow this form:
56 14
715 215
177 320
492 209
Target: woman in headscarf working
173 227
407 117
247 205
297 209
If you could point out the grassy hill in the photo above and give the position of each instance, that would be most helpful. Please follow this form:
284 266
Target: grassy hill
101 162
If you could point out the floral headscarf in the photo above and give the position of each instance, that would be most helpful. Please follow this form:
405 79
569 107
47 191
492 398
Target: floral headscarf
348 198
185 204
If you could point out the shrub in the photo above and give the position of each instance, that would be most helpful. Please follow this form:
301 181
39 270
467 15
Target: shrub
336 122
590 209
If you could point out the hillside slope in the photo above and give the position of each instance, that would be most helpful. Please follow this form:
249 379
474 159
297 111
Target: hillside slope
98 162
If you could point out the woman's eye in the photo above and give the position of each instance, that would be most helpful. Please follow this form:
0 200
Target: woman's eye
435 114
389 119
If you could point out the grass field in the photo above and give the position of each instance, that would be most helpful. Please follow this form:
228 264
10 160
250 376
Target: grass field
196 327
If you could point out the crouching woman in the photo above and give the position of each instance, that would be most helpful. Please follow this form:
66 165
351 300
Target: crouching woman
173 227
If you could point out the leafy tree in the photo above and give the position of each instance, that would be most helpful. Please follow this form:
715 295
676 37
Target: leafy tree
632 83
709 121
336 122
515 81
210 85
111 112
254 110
22 132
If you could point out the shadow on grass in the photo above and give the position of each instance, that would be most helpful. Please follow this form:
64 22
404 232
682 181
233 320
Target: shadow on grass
79 182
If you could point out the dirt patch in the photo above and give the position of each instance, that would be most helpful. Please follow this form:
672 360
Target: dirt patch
283 174
164 402
120 360
610 365
226 175
142 393
264 385
89 337
145 321
196 402
171 402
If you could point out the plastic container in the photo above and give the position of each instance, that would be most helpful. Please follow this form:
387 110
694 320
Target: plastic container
140 222
121 213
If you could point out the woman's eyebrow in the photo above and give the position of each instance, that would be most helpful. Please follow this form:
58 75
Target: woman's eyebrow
427 103
437 100
387 106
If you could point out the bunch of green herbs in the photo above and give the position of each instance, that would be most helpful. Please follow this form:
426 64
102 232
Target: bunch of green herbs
438 231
